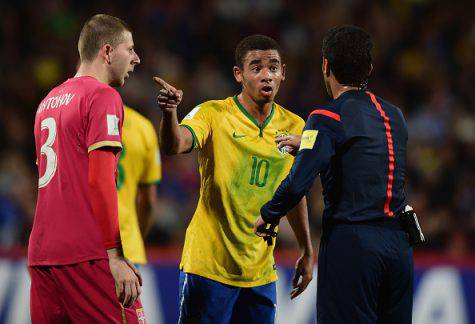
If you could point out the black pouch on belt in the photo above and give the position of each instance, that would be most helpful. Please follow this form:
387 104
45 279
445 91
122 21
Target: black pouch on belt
410 223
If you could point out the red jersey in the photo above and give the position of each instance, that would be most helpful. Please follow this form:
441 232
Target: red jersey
79 116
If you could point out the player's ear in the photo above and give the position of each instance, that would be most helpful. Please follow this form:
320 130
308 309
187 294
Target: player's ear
105 53
283 72
370 69
237 74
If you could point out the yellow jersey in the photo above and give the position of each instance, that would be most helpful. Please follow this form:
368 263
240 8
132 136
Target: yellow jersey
240 168
139 163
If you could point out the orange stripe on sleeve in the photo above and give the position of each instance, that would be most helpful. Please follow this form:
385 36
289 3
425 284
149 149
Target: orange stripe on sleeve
327 113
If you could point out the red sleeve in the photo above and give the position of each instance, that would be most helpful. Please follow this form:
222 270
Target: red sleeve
104 120
103 195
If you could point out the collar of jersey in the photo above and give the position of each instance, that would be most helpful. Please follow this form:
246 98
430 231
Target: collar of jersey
254 121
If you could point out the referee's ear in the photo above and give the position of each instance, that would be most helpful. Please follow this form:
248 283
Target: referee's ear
326 67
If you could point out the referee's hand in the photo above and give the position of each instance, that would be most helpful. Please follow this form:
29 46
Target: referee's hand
265 230
290 142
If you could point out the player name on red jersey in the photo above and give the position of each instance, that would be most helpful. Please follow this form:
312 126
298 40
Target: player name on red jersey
56 102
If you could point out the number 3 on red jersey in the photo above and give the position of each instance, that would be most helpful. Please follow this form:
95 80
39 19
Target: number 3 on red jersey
47 149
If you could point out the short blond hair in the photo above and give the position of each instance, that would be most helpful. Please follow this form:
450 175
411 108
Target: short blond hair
99 30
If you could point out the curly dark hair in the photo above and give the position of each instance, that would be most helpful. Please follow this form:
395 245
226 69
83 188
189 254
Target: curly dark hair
348 51
255 42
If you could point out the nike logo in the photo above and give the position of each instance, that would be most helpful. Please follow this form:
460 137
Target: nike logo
237 136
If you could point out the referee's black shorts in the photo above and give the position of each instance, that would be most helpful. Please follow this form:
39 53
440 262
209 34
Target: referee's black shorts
365 274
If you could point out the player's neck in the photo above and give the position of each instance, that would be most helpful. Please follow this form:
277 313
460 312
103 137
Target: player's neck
94 70
260 112
339 89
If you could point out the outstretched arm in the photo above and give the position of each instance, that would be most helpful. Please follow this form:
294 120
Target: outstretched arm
316 150
310 161
174 139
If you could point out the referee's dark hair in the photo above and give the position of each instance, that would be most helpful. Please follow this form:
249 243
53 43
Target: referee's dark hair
348 51
252 43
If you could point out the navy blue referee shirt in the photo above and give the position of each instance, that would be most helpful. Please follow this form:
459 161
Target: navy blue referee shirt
357 144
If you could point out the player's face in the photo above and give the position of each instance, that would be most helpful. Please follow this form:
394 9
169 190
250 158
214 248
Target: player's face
123 60
261 75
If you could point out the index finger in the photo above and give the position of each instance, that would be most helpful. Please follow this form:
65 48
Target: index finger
135 270
284 143
295 292
260 234
163 84
119 289
134 294
259 231
281 138
306 279
296 278
127 294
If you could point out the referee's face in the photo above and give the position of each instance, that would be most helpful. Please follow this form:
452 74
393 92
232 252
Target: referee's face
261 75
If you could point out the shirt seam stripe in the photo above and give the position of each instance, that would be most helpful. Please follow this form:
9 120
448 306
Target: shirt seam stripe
389 138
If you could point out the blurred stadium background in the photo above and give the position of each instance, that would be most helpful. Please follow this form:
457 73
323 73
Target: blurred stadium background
423 61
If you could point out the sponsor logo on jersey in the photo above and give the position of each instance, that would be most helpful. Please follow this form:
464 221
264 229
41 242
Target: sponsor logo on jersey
237 136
